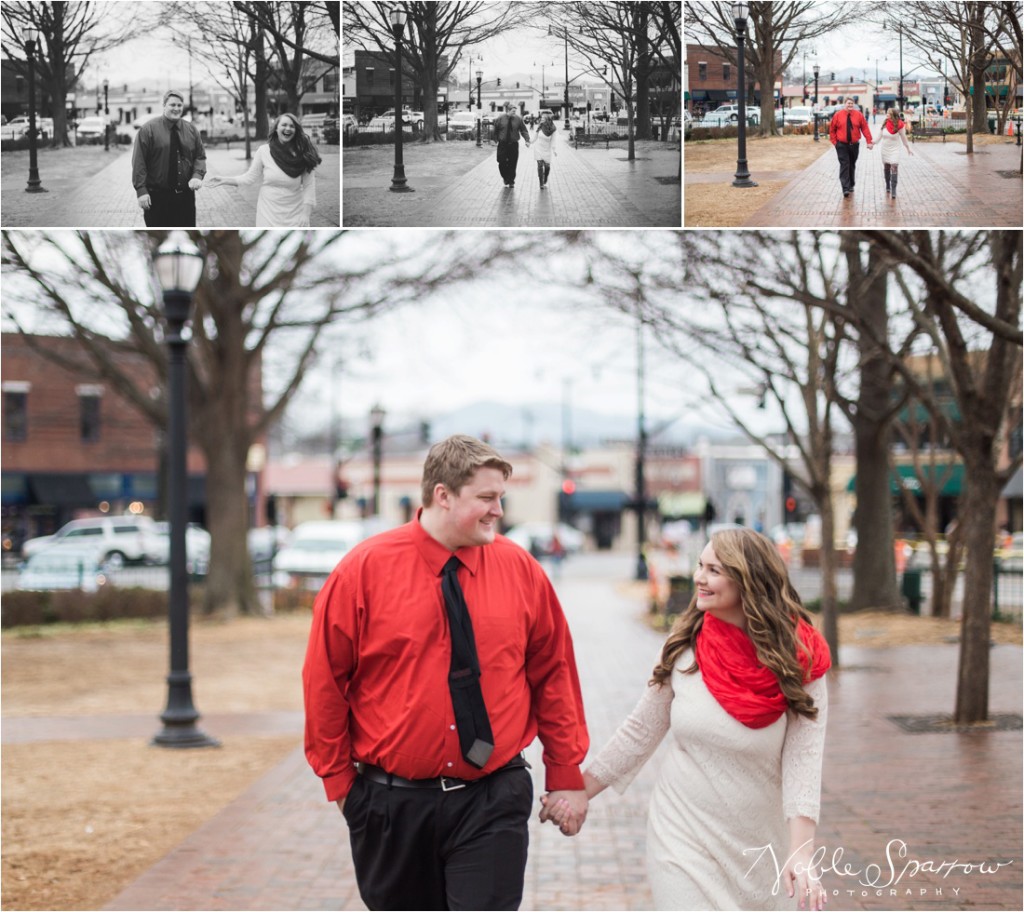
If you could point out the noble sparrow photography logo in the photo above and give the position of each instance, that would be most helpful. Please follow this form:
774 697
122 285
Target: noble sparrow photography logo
894 876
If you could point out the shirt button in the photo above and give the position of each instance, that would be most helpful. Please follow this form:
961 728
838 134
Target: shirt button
450 763
452 727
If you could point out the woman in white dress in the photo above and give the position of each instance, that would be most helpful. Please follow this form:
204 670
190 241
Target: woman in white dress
894 131
740 691
285 170
544 149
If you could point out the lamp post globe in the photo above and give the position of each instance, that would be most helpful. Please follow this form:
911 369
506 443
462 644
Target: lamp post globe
398 181
31 40
814 109
178 264
742 176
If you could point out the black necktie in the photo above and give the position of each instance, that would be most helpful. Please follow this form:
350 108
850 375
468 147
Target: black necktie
849 127
172 159
471 719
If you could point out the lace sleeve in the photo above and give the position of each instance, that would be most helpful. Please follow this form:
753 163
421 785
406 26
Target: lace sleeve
801 758
636 739
255 173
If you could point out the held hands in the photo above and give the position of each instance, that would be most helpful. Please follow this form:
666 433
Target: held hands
804 881
195 183
212 181
566 809
144 201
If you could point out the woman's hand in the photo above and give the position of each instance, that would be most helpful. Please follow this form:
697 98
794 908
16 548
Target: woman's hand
211 181
803 881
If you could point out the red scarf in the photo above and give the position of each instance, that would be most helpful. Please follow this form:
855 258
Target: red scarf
743 687
891 128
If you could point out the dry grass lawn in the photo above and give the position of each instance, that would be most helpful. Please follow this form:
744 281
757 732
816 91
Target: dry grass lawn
82 819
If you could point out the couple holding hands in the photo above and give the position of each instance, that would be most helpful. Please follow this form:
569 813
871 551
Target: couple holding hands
169 166
439 651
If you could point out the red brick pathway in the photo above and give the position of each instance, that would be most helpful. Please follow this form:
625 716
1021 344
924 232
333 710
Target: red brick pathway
940 186
951 799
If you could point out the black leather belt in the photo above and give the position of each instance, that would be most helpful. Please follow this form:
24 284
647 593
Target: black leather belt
445 783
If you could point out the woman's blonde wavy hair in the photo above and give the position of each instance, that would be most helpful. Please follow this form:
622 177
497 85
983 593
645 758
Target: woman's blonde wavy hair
771 607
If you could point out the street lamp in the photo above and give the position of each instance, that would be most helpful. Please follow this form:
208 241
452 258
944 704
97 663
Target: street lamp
479 107
398 182
565 101
179 266
377 435
106 117
814 110
34 184
641 455
739 12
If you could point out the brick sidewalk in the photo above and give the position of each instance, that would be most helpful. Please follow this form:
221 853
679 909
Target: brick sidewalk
940 186
588 187
949 797
107 199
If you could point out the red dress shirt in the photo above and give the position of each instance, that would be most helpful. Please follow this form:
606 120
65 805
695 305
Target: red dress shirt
837 131
376 672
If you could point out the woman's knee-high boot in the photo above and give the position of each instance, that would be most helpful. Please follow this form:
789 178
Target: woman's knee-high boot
895 174
888 172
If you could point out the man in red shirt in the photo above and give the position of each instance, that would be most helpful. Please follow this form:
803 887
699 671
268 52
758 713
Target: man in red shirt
845 131
430 777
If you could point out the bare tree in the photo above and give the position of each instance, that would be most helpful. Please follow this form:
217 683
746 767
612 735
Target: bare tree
437 35
964 291
69 35
777 31
317 17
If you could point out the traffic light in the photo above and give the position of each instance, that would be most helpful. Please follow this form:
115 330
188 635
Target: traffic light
517 85
568 486
499 82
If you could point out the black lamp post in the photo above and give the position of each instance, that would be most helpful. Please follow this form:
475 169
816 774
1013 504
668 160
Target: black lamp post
34 184
106 117
814 109
903 103
179 266
479 107
398 182
739 12
641 457
377 438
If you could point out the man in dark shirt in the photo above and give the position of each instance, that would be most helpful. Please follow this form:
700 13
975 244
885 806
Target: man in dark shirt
507 129
845 131
438 652
168 166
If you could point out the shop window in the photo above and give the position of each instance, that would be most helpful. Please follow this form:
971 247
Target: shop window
15 415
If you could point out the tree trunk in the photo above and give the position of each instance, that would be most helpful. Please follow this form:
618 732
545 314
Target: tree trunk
980 113
829 592
874 565
629 120
259 85
979 522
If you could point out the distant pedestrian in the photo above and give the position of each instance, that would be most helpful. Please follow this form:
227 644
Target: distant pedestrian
894 131
740 692
285 170
168 166
506 132
544 148
845 132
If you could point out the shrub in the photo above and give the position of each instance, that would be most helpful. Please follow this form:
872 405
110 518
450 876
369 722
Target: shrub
74 606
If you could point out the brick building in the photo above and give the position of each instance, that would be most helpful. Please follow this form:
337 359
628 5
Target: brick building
73 446
713 79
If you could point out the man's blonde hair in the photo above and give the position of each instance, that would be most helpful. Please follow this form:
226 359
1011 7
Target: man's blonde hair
453 462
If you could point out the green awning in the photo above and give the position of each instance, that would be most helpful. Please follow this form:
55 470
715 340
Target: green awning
952 477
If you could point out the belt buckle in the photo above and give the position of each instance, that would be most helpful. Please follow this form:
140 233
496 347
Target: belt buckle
445 787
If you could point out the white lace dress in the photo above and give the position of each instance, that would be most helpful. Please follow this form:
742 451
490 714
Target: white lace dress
283 201
717 836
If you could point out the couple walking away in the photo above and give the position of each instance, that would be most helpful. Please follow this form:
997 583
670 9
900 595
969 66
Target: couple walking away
169 166
439 651
845 132
506 132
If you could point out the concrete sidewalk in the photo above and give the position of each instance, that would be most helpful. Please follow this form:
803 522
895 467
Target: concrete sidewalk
949 798
107 199
592 186
939 186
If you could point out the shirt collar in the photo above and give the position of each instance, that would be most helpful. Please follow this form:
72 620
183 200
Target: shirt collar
436 555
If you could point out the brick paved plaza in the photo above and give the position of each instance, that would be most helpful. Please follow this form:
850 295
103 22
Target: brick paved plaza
949 797
107 199
591 186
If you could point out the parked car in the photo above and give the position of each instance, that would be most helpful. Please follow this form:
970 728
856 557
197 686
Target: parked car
18 127
74 566
538 537
1011 555
349 124
461 122
197 547
314 551
117 539
728 114
265 541
795 117
90 127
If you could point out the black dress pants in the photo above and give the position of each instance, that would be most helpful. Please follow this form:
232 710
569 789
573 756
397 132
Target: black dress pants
847 153
169 209
427 849
508 160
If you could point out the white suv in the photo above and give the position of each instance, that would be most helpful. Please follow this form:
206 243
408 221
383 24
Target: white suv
118 539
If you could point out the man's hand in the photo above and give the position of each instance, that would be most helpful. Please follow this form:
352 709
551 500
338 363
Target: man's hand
567 809
195 183
144 201
341 804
